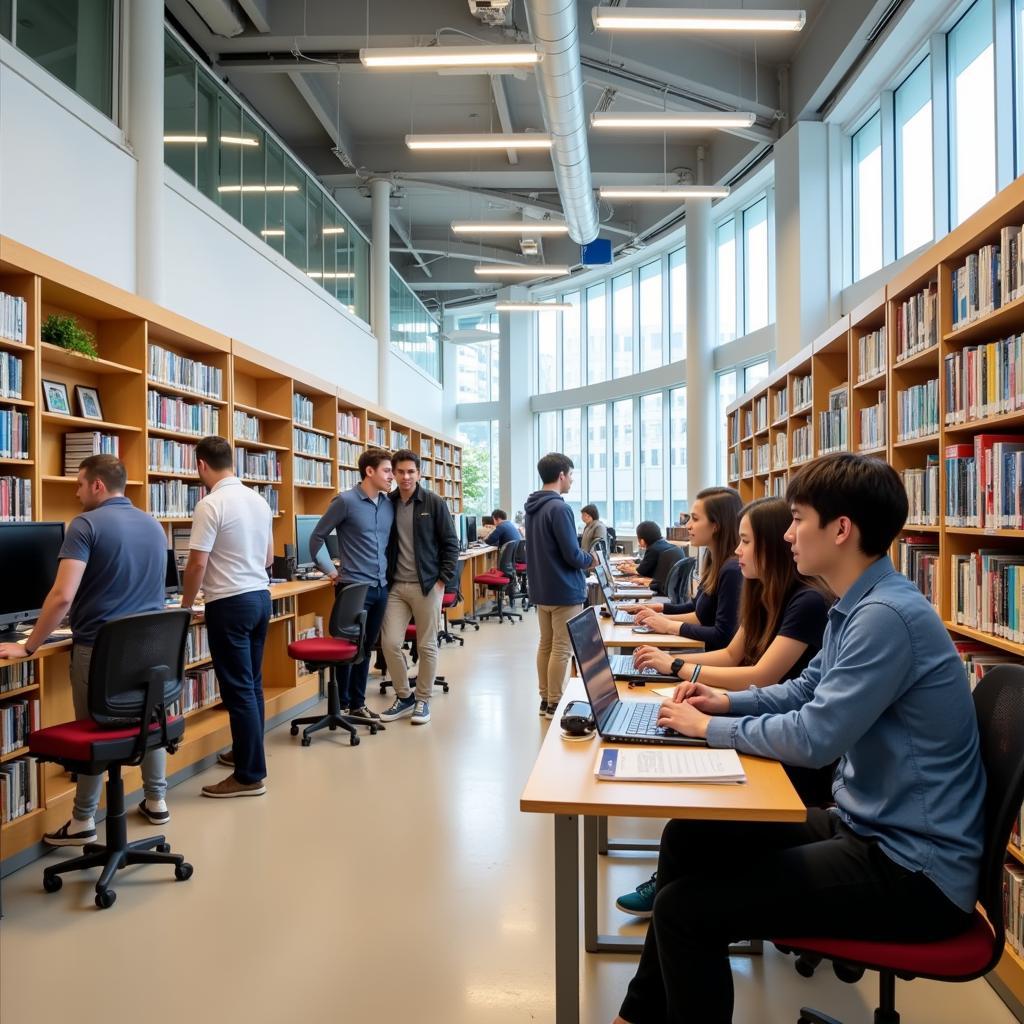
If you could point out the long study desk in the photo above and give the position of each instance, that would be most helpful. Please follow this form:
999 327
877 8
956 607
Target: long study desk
563 785
472 562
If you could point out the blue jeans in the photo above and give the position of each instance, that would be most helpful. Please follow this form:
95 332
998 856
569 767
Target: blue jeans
237 630
352 678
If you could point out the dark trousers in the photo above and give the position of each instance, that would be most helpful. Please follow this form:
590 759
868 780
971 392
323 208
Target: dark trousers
719 882
352 678
237 630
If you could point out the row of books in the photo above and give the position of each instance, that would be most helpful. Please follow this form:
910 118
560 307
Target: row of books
188 374
166 412
1013 905
777 486
803 393
247 428
985 380
17 719
985 482
761 412
764 458
425 448
348 478
14 433
258 465
781 403
11 375
399 439
872 425
197 644
871 359
313 472
349 452
19 788
987 593
350 425
376 435
803 444
311 444
747 456
167 456
13 318
780 459
1017 830
922 487
15 499
200 688
917 411
917 323
834 422
282 606
748 422
918 560
268 493
302 409
978 659
17 676
977 285
174 499
80 444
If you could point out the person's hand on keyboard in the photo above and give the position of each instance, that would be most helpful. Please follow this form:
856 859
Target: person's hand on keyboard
651 658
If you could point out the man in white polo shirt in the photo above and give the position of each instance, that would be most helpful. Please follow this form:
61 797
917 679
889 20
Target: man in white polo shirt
229 551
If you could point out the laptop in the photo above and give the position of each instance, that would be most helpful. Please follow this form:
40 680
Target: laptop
602 557
618 721
619 617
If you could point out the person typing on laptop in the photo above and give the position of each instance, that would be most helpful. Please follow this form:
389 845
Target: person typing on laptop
898 856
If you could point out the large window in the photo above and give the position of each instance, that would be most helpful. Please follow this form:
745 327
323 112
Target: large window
622 325
725 238
597 338
867 198
481 484
572 353
597 459
547 352
755 266
912 119
677 305
572 445
726 396
755 373
677 443
547 433
476 370
623 493
652 458
650 316
972 111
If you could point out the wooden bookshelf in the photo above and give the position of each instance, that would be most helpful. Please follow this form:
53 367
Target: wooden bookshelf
834 360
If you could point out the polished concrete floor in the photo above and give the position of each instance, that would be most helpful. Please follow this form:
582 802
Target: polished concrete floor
393 881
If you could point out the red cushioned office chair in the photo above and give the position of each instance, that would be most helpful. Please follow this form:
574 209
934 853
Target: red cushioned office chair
452 597
136 672
519 564
410 642
999 705
501 581
326 654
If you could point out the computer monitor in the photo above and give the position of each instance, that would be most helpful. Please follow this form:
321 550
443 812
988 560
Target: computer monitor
487 520
470 529
29 556
172 578
460 529
304 526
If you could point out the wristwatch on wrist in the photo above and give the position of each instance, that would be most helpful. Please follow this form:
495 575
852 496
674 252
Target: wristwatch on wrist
677 664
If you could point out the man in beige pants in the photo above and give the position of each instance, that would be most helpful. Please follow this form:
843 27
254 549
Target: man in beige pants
423 555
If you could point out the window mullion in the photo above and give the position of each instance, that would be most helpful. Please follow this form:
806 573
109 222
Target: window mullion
940 135
888 211
1002 34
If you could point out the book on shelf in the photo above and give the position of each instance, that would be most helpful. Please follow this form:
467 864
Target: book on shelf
918 558
734 465
748 422
247 428
302 409
309 443
269 494
167 367
1013 905
917 411
761 412
19 788
399 439
978 659
764 452
200 688
349 425
999 466
347 479
922 487
803 393
748 462
987 592
17 676
13 318
985 380
18 717
917 323
833 423
197 644
349 452
872 424
263 466
168 412
376 435
11 375
803 443
15 499
425 448
780 454
312 472
961 508
989 278
871 360
778 486
80 444
167 456
174 499
14 433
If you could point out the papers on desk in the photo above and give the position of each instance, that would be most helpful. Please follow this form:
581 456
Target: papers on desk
669 764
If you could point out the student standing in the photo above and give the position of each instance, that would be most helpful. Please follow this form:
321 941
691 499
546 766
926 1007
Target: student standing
362 517
899 856
230 549
113 563
593 529
554 573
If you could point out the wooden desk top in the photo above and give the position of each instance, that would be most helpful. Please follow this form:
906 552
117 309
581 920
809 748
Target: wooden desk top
465 556
623 636
563 782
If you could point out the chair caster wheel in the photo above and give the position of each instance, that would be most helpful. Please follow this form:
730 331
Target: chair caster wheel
383 690
307 740
373 730
105 898
806 965
353 741
183 871
52 883
847 972
294 730
164 848
445 687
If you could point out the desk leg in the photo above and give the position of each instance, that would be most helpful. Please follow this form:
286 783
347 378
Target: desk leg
567 919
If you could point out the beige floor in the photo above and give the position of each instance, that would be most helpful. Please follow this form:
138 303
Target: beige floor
395 881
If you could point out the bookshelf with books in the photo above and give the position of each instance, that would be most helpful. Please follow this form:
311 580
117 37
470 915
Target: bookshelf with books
831 388
869 377
19 424
314 444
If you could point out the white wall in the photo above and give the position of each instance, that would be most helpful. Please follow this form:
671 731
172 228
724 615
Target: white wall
416 396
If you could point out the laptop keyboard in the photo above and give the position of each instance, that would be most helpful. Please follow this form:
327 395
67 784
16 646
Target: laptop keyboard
622 665
624 619
643 720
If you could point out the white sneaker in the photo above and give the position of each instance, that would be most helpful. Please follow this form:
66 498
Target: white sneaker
421 713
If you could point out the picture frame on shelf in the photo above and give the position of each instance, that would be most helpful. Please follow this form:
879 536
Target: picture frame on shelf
88 402
55 397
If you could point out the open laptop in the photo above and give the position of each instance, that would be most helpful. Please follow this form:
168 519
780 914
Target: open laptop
619 617
618 721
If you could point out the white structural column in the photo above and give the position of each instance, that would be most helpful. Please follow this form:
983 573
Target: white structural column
146 135
701 415
515 421
380 282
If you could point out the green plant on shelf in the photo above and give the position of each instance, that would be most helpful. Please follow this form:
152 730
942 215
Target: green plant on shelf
65 332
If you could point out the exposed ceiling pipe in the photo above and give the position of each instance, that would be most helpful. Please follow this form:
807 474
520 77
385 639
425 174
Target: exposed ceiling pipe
554 28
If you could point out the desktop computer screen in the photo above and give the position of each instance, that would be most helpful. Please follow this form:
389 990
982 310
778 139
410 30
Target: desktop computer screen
460 529
470 522
304 526
29 556
172 579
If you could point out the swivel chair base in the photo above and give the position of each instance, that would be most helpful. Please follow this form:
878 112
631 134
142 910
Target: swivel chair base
334 719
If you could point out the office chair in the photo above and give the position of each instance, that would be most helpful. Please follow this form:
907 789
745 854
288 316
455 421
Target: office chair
452 597
135 675
410 643
325 654
664 564
999 706
678 582
611 539
523 584
502 582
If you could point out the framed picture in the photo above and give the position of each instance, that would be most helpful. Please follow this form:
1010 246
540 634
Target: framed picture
88 400
55 397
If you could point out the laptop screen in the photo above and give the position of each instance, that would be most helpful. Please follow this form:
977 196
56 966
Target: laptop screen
602 557
592 658
607 592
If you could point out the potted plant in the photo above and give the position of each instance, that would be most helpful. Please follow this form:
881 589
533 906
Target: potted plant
60 329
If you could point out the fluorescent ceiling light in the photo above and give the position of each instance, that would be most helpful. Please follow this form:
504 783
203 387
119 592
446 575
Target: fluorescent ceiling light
661 120
646 19
509 227
529 307
449 56
272 232
239 140
341 275
193 139
333 231
257 188
663 191
484 140
520 270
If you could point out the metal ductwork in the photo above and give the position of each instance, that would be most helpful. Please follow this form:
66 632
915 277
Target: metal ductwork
555 31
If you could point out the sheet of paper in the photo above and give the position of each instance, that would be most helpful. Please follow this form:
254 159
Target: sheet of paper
669 764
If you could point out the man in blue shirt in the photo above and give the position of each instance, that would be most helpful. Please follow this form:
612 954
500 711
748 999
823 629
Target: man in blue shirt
503 531
363 517
898 857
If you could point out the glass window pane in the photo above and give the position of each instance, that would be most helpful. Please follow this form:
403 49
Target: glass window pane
5 18
547 433
274 236
315 240
547 353
572 445
295 213
597 458
755 374
755 266
597 340
480 479
972 111
913 125
180 138
476 367
652 458
253 149
867 198
650 316
677 435
623 450
726 246
622 325
207 127
726 396
572 356
677 305
229 128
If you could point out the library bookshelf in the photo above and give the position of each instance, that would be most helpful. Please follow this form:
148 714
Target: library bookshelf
920 397
162 382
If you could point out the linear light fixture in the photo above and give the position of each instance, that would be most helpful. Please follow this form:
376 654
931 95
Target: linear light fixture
529 307
481 140
341 275
257 188
272 232
647 19
663 191
333 231
520 270
193 139
509 227
449 56
239 140
662 120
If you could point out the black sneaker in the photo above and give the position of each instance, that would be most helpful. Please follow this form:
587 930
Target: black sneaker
543 708
549 711
64 837
154 817
364 714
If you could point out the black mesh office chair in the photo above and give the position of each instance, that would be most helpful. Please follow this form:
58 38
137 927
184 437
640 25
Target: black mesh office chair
678 582
666 560
611 539
135 676
501 581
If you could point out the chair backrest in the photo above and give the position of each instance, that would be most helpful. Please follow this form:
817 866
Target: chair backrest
679 579
137 666
520 552
507 558
611 538
999 705
348 616
599 545
666 560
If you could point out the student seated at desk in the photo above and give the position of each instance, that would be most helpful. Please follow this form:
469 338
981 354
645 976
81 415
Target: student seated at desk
898 858
503 531
712 615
